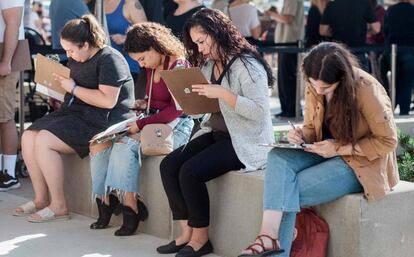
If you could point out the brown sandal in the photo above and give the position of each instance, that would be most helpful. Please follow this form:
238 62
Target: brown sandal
265 252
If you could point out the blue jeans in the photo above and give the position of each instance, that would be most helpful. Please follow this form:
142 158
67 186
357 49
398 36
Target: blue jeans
295 179
118 167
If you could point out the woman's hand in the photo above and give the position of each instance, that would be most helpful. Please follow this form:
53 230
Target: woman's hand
326 148
295 136
209 90
118 38
65 83
140 104
133 128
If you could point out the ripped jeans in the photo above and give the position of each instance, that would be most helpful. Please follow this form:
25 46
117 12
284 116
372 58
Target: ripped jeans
118 167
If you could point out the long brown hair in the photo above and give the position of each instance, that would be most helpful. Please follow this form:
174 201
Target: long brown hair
332 63
85 29
143 36
228 39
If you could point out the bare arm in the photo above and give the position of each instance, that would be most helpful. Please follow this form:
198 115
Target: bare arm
374 28
12 18
256 32
134 12
104 97
325 30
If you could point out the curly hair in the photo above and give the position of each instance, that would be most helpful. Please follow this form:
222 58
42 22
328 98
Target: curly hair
143 36
332 63
229 41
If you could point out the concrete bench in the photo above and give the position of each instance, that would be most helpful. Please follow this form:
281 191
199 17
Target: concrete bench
358 229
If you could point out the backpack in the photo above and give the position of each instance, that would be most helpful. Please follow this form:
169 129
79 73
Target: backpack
312 235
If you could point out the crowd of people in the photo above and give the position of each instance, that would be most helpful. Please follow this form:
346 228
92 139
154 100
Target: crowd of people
349 136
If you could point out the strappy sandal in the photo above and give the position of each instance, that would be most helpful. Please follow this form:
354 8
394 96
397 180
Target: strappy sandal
265 252
26 209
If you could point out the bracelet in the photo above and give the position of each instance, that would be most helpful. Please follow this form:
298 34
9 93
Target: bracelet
72 98
73 90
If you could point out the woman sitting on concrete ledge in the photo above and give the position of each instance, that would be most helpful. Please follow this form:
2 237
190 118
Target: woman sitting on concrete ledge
115 165
350 127
240 79
99 93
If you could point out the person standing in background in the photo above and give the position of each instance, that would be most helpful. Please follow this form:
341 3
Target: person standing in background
399 30
120 14
289 29
11 30
62 11
244 16
312 36
176 20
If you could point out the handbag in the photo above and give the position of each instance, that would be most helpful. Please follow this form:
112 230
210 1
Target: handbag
156 139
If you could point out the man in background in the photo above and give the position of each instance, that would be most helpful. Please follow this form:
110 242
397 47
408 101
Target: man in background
11 31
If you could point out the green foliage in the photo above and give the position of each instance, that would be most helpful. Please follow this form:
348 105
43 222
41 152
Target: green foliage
280 135
406 158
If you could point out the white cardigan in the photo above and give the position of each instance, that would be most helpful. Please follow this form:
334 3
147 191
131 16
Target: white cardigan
249 124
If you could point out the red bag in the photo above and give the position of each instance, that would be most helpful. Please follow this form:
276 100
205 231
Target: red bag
312 235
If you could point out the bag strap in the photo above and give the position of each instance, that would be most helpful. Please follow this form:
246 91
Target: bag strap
226 68
150 92
165 67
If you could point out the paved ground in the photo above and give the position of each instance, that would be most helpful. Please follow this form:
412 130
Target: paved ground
73 238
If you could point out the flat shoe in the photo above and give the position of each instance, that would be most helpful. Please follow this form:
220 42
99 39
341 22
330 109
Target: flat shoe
171 247
188 251
28 208
275 250
47 215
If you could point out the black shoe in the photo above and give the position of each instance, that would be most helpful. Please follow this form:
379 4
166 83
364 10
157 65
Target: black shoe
280 114
170 248
105 212
8 182
188 251
131 219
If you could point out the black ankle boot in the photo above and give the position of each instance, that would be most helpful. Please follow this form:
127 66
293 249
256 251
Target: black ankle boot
105 212
131 219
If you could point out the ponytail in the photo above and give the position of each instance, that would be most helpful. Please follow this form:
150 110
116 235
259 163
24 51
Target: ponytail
85 29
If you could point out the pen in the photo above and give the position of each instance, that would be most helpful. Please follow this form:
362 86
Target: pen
291 124
294 128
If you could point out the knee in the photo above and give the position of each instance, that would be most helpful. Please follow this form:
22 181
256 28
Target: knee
187 174
96 148
166 166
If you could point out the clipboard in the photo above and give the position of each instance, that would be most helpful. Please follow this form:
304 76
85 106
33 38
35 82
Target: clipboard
21 58
286 145
179 83
46 83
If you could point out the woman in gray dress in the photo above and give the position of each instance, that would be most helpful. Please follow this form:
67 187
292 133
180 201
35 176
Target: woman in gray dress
99 91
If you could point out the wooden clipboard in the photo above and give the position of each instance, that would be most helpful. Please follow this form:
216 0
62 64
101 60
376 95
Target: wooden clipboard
21 57
179 83
44 76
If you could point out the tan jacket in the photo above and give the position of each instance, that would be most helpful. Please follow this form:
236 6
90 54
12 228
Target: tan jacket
377 170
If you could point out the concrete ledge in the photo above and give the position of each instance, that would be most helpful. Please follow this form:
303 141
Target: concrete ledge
79 194
358 229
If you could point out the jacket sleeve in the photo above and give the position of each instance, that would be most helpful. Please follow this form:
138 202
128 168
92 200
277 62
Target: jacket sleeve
378 113
253 101
308 129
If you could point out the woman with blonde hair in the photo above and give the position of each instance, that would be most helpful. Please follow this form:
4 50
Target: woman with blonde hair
115 165
99 93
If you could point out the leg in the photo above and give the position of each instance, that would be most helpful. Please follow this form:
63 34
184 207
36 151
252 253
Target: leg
41 197
8 136
406 82
281 192
214 161
48 156
100 155
169 168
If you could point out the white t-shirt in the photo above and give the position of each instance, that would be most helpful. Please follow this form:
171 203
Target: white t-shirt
244 17
6 4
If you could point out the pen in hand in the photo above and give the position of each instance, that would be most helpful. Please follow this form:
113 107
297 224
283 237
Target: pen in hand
297 133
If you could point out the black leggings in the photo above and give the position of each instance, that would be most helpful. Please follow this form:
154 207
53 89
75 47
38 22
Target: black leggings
185 171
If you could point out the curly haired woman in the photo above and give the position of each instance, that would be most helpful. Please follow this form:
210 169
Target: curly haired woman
239 80
115 166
